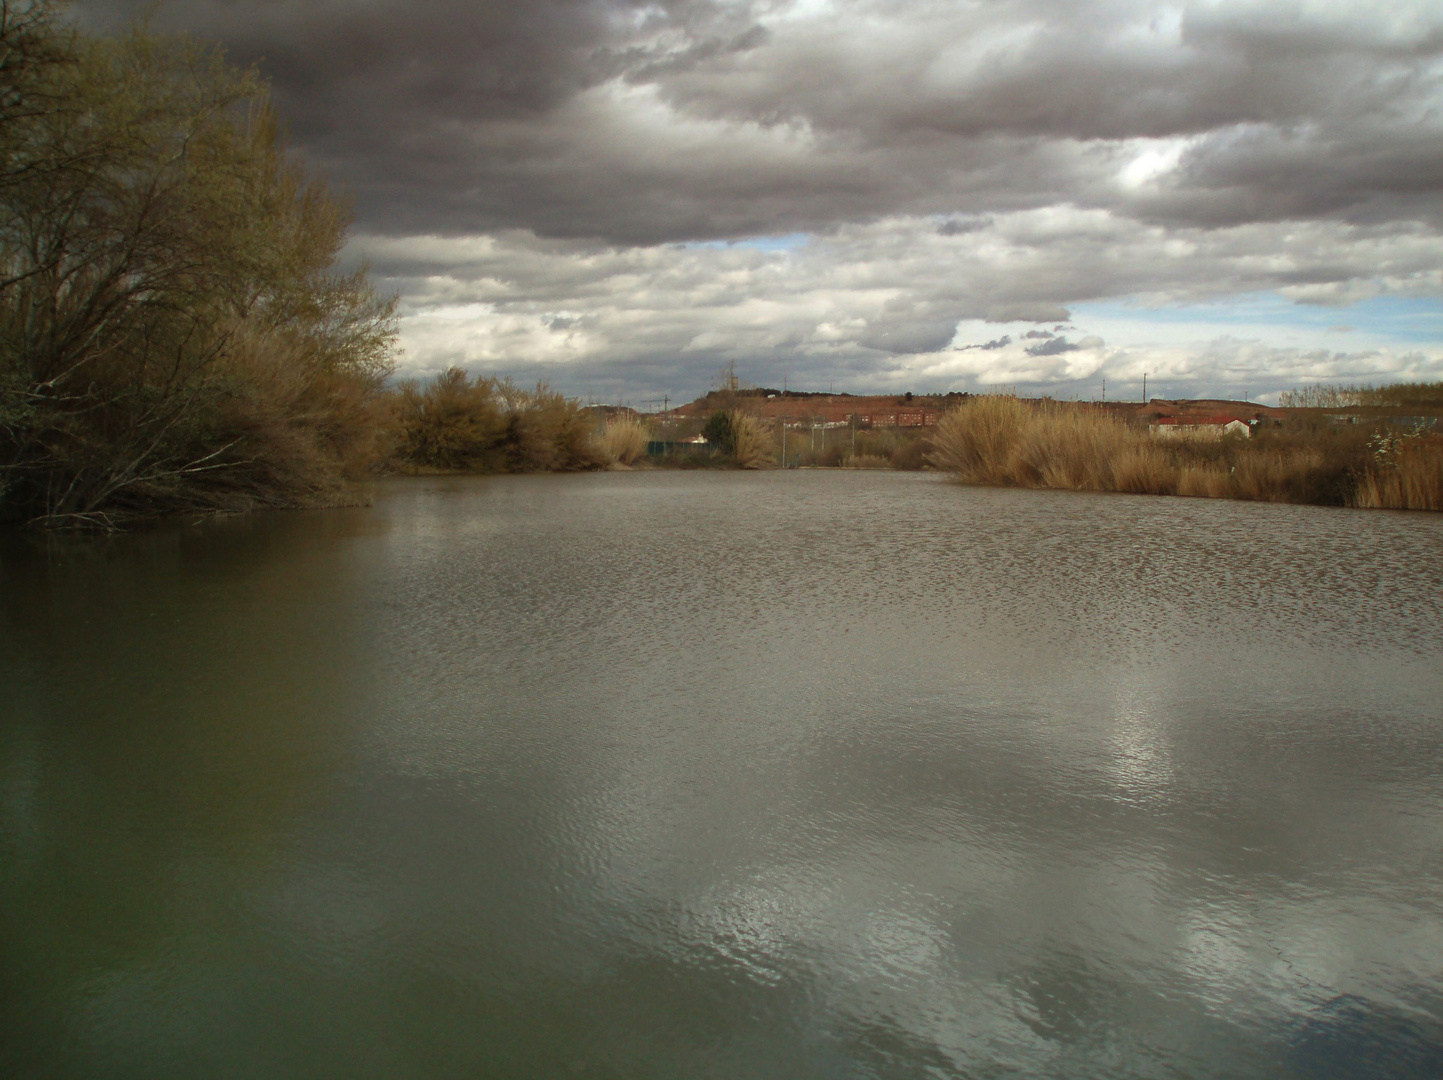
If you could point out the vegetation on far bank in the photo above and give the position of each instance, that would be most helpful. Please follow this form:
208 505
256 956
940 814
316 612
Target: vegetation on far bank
457 423
1385 461
1394 395
1006 441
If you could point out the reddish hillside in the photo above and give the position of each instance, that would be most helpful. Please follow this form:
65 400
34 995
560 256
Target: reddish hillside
919 410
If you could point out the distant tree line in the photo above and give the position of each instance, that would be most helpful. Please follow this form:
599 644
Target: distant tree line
1394 395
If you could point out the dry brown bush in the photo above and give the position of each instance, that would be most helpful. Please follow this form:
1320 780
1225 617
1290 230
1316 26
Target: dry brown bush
975 441
1412 480
912 454
751 441
622 441
1009 442
547 431
1073 450
1202 482
451 423
1281 474
866 461
1144 469
457 423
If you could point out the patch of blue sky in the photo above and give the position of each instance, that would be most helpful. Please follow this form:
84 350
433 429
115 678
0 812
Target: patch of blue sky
1411 321
781 242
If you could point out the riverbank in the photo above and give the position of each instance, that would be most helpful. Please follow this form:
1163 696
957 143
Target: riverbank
1374 456
1008 442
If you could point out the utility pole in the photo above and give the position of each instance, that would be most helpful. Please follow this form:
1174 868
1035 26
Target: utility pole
1104 389
1144 388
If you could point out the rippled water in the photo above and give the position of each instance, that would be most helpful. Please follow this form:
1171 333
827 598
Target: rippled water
679 775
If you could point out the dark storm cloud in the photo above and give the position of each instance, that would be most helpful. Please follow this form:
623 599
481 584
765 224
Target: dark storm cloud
553 187
641 122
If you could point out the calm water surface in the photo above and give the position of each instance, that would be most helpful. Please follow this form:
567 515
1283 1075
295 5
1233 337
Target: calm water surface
673 775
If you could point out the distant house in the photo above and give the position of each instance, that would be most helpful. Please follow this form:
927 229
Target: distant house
1199 427
918 418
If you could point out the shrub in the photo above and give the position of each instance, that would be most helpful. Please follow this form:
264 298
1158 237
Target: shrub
173 333
621 441
1068 449
976 440
913 454
718 431
546 431
1410 477
751 441
1005 441
1395 395
457 423
452 423
866 461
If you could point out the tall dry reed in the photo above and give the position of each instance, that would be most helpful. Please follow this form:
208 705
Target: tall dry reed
1004 441
1394 395
751 441
866 461
622 441
976 440
1409 479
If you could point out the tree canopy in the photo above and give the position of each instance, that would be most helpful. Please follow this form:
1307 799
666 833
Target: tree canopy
174 331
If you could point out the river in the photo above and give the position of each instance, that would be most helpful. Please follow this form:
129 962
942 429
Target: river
792 774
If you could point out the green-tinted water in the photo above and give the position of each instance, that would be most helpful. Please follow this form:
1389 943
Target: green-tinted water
674 775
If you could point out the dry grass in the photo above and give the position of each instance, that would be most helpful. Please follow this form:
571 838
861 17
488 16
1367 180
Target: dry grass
1004 441
976 440
751 441
1322 396
1411 480
622 441
866 461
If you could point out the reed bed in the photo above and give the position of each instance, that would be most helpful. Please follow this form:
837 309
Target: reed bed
866 461
621 442
1411 480
1004 441
1322 396
751 441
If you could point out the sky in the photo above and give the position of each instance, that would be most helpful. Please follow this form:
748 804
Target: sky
622 198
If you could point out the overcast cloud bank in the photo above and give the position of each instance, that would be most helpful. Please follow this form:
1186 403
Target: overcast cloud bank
576 189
